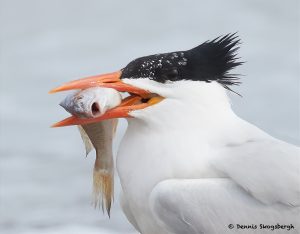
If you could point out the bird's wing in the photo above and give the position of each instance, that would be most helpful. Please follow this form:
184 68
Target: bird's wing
268 169
214 206
259 185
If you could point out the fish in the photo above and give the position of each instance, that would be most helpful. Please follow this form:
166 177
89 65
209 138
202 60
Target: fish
92 103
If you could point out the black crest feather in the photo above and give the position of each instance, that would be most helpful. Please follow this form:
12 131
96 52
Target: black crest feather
216 58
210 61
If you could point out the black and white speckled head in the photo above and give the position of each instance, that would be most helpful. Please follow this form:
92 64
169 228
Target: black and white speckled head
210 61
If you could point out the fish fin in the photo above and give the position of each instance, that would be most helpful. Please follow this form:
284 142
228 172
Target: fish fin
114 126
103 189
86 140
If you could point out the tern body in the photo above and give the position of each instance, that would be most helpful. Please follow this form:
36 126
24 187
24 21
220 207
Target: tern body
187 152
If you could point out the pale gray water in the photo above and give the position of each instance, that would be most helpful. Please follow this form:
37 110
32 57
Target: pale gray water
45 181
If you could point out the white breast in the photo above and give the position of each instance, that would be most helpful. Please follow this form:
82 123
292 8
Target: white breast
161 147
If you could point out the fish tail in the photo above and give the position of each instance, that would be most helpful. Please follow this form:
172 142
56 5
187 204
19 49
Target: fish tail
103 189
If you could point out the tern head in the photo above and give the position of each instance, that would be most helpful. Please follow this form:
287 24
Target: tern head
155 78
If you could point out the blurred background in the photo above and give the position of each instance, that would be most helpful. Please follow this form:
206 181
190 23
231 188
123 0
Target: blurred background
45 179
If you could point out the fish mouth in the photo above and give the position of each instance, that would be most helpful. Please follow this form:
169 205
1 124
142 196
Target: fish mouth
138 98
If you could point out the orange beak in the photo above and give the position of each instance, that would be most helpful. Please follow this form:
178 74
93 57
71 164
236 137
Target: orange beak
110 80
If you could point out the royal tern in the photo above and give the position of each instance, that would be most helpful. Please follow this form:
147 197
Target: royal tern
187 162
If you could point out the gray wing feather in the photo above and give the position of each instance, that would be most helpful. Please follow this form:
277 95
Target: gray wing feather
268 169
208 206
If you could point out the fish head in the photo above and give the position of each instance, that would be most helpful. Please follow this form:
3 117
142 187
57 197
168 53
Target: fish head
92 102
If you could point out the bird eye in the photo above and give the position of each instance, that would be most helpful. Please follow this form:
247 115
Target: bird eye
170 74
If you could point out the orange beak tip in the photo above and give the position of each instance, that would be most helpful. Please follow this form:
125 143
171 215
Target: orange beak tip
65 122
56 125
56 90
52 91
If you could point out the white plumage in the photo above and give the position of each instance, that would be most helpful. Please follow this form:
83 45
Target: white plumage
190 165
187 163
